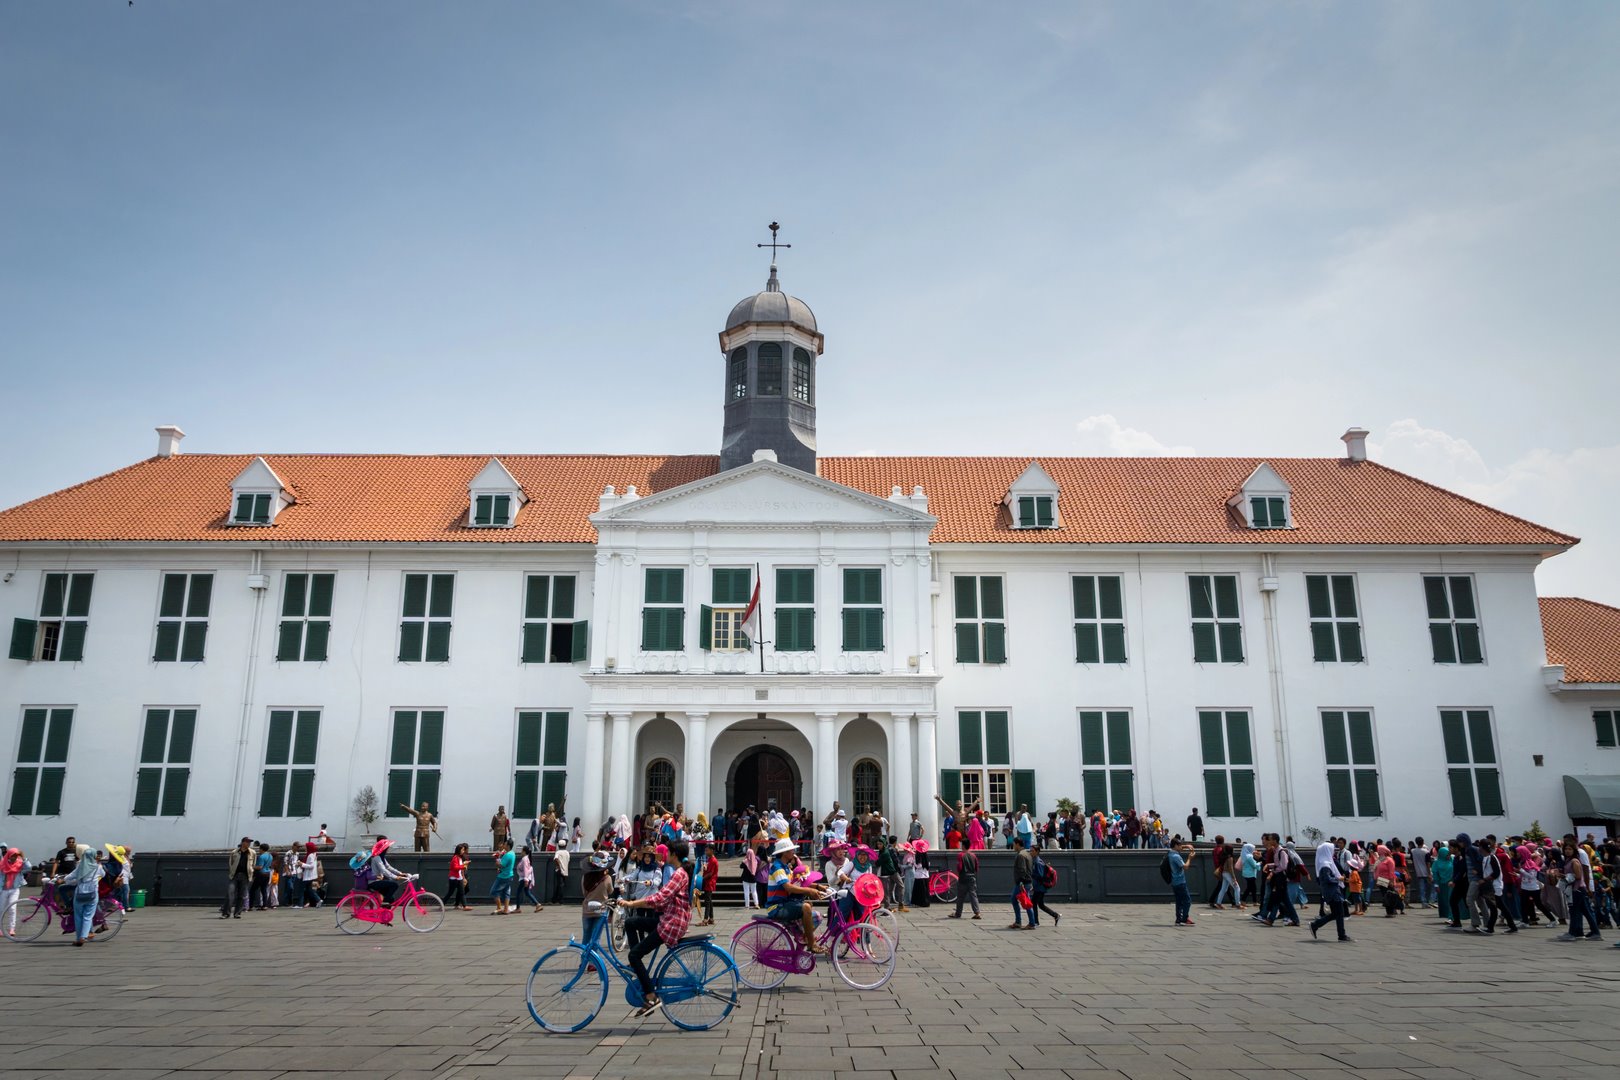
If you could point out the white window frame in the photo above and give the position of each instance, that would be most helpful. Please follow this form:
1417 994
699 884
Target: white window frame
725 631
427 619
290 767
551 620
1108 766
1350 765
1215 619
880 606
979 621
184 619
1613 716
1334 619
1287 521
1452 622
270 496
1099 621
44 761
492 495
1226 767
1035 511
1473 765
52 629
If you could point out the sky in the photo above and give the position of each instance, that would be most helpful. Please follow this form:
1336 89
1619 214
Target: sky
1232 228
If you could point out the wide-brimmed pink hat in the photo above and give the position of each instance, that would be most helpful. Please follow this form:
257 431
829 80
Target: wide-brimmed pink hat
381 846
920 847
834 848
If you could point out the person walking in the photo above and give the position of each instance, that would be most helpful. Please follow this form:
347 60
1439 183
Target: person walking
425 822
1579 876
309 875
1460 846
523 882
13 872
500 830
708 878
1249 870
80 888
457 893
1494 885
1422 873
1195 825
559 874
1045 878
967 882
1331 882
1177 860
1441 867
259 897
750 878
1023 883
238 879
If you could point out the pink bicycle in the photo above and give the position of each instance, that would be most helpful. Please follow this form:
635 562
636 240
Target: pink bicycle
767 951
362 909
34 915
942 886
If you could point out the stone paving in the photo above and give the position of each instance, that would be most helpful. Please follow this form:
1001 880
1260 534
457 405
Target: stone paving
1112 992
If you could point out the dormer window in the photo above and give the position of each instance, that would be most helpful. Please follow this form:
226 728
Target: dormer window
1264 500
493 498
258 495
1268 512
1032 500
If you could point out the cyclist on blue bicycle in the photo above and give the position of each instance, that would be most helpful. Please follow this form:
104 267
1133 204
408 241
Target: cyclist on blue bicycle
672 913
783 897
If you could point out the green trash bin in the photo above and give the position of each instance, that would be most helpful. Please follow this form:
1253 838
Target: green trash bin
139 900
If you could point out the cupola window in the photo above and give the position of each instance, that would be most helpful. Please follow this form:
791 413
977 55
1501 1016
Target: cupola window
770 370
737 380
802 388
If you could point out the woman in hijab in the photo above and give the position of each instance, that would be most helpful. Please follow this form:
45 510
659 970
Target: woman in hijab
1331 883
1250 870
1441 867
1551 874
13 867
1384 879
1530 886
80 888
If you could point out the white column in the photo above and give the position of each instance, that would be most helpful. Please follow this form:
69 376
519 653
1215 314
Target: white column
905 794
620 767
826 763
590 810
697 763
928 777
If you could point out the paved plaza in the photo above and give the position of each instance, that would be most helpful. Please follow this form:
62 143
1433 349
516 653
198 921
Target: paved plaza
1112 992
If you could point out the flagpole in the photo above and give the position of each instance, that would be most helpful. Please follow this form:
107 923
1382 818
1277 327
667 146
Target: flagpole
760 586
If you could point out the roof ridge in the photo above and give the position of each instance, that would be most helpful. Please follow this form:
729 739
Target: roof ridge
4 511
1573 540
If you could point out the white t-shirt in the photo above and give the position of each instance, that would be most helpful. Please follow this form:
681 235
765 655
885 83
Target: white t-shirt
840 827
311 867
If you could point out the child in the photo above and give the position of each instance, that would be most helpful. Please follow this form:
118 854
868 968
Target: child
597 887
1357 907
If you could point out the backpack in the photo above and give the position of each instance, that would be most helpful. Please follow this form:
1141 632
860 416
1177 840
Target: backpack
1164 869
1048 874
361 865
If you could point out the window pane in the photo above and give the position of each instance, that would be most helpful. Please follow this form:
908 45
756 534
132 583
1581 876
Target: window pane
438 642
1341 802
1344 596
1335 746
1085 596
967 643
995 643
1226 597
732 586
1231 634
73 632
315 639
556 738
431 744
1462 598
969 734
1026 512
526 793
997 739
1244 801
1479 737
193 642
1113 636
272 795
1124 787
863 586
202 589
528 739
1490 792
175 783
502 513
320 595
1453 735
78 605
562 597
244 508
148 785
1202 596
167 646
292 594
1091 739
562 642
1361 737
1367 800
990 594
290 640
1469 648
403 749
410 642
1109 599
1605 724
55 596
32 745
1324 644
534 643
307 738
155 735
1211 738
1350 643
300 792
1434 594
795 587
172 604
1204 643
1278 513
414 605
1238 745
1462 792
1257 513
1217 803
1445 647
481 510
1119 738
442 596
1086 647
1316 596
536 596
1094 790
279 746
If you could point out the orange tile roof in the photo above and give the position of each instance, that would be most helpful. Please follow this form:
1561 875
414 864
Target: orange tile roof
1584 636
379 498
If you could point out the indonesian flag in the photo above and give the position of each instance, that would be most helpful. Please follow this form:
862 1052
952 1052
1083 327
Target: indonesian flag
750 619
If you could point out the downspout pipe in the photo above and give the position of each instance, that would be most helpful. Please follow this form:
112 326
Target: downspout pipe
1269 585
259 584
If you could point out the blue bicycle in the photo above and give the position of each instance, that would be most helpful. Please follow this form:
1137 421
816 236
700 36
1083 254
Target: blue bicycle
696 983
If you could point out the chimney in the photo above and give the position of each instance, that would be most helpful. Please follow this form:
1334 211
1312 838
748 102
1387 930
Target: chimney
169 438
1355 444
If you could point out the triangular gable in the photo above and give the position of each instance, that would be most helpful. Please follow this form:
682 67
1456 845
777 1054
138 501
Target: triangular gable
763 493
1034 480
258 476
495 476
1264 481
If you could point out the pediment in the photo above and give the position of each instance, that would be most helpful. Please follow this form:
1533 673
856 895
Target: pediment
1264 481
764 493
494 476
1034 480
258 476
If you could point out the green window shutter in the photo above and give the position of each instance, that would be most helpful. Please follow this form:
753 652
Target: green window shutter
300 793
24 632
562 597
665 585
805 628
427 787
1091 739
795 586
1240 751
24 782
1367 800
969 735
442 597
167 646
534 643
1231 635
411 635
199 596
315 640
1341 795
1111 597
871 623
1335 746
72 647
1204 650
1344 596
1085 596
438 643
950 785
995 643
1257 513
1023 791
997 739
1490 792
536 596
481 510
1469 648
399 793
1361 737
414 605
580 646
308 737
244 508
171 604
1462 792
1201 596
294 593
525 793
58 735
787 639
273 793
155 736
967 643
556 738
863 585
705 627
1094 790
1462 598
402 750
1454 736
1113 641
967 597
652 630
148 784
1244 802
1026 512
321 587
1124 787
528 739
1434 596
1445 646
193 642
1226 597
175 784
290 640
1043 512
79 595
554 789
51 781
990 594
1086 648
1317 597
502 512
852 630
1324 643
32 746
1604 722
1217 803
733 585
1212 739
1277 510
1350 643
1479 737
1119 738
54 597
431 748
278 748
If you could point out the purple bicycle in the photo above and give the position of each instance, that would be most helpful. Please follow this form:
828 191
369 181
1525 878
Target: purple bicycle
26 919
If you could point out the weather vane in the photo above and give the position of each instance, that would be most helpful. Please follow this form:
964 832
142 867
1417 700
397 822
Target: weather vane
773 245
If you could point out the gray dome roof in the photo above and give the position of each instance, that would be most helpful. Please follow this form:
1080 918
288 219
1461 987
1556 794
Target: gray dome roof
772 306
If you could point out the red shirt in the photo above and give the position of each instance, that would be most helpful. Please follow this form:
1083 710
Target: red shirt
711 871
458 868
676 905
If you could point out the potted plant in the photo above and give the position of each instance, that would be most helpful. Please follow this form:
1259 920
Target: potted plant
366 809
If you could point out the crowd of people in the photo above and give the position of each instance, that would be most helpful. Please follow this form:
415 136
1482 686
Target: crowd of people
82 876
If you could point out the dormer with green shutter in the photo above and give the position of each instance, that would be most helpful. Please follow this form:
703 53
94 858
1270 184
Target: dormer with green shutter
494 497
1264 500
258 495
1032 500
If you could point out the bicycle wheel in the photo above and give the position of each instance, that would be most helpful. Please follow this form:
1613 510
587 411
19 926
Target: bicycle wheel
753 946
864 956
349 910
109 920
423 912
889 921
697 986
566 989
944 886
33 918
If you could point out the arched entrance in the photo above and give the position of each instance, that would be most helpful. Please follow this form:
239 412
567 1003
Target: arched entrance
764 777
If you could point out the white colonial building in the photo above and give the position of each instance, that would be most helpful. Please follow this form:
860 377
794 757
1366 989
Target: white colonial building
205 646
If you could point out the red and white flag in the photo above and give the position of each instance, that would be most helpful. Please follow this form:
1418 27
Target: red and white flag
750 619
